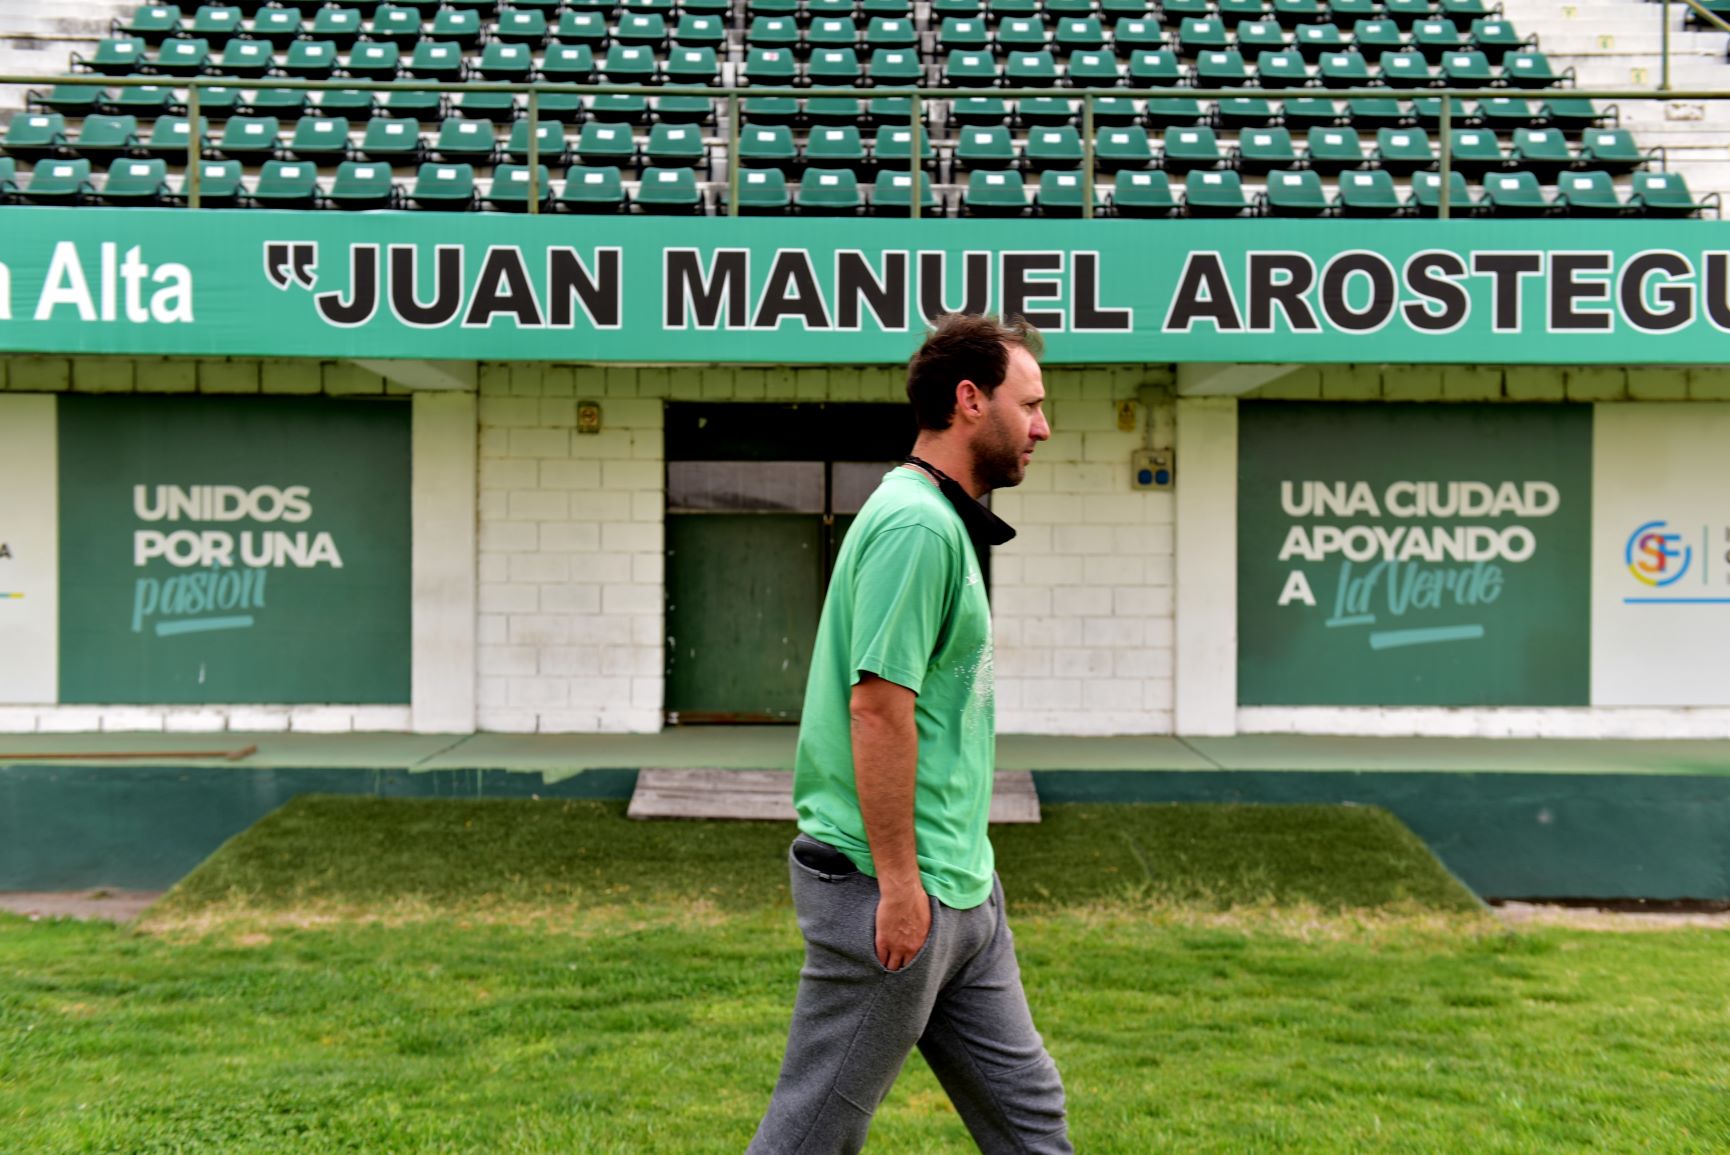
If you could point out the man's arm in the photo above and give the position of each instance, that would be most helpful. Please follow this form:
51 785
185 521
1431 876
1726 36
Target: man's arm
885 767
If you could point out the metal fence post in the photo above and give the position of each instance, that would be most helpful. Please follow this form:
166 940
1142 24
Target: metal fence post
915 107
534 151
1664 36
732 154
1446 131
1087 156
194 145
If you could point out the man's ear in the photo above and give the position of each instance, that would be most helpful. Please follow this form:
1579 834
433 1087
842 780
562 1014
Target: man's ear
969 394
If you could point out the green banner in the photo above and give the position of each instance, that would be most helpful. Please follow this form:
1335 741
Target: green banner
793 290
229 550
1414 555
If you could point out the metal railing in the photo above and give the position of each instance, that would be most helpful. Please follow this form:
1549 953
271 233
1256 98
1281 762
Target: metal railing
916 95
1706 15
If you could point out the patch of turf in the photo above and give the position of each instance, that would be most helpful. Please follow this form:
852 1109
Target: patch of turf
349 851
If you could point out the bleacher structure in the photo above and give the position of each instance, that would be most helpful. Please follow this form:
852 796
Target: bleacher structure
985 147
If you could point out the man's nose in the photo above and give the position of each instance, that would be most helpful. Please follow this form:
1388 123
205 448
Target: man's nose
1041 429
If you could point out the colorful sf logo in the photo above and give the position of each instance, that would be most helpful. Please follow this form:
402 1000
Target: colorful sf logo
1655 557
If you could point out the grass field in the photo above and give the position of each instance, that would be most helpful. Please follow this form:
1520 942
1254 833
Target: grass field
359 975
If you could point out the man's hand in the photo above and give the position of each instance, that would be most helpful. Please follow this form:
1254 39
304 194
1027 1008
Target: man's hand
903 923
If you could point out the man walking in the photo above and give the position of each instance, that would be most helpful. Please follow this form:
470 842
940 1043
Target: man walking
893 873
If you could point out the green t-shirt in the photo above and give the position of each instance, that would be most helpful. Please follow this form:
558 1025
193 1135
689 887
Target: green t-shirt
906 602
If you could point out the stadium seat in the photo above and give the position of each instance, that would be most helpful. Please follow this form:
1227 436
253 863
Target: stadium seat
58 182
1093 70
1570 113
1196 36
1495 38
1587 194
762 192
1221 69
1191 148
1467 69
1402 151
963 34
1531 70
1061 194
505 62
220 185
1343 70
115 56
280 26
36 135
151 23
1265 149
465 140
1281 70
767 146
1366 193
1213 194
1240 112
281 103
697 65
694 31
592 190
182 56
436 60
770 66
1291 13
310 59
969 111
1611 150
444 187
168 138
892 195
394 24
1426 197
425 108
1294 193
1541 151
1173 112
969 70
1512 194
1154 69
1303 113
1343 12
1257 36
1663 194
1053 148
250 139
1406 13
509 191
1030 70
677 146
1437 37
1143 195
375 60
102 138
1117 149
340 26
1369 113
246 59
288 184
1021 35
986 147
1312 41
995 194
669 191
585 28
1503 114
641 30
1404 70
320 139
550 146
892 147
1080 34
363 185
606 144
69 99
1134 34
829 192
1474 152
217 23
525 26
392 140
136 182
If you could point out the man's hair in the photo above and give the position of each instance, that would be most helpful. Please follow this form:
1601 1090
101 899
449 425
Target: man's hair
963 347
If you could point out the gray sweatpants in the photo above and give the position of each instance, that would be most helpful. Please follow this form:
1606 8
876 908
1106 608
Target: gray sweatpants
854 1022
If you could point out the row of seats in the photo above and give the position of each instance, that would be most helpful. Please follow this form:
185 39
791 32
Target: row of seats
1289 193
326 139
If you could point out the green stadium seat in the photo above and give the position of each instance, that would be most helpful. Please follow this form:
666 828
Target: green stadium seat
136 182
1495 38
1156 69
182 56
1542 152
835 146
586 28
1503 114
282 103
1196 35
1122 9
1257 36
1531 70
1294 193
217 23
893 66
592 190
288 184
1023 34
1587 194
1468 69
506 62
394 24
893 145
995 194
364 185
115 56
1663 194
944 8
375 60
36 135
773 32
465 140
1046 111
1302 113
1000 10
1093 70
767 146
444 187
1191 148
58 182
151 23
246 59
1213 194
1030 70
1369 113
509 191
1402 151
1436 38
1173 112
1241 112
1291 13
968 111
168 138
436 60
1264 149
1571 113
1333 150
250 139
280 26
1343 12
641 29
1176 11
669 191
693 31
676 146
340 26
1281 70
498 107
1466 10
68 99
969 70
1406 13
892 196
606 144
568 63
1115 112
963 34
521 26
1240 12
984 147
1512 194
1611 150
1343 70
1061 194
1133 34
832 32
392 140
1143 195
425 108
834 67
1313 40
1080 34
320 139
310 59
1371 38
1366 193
825 9
775 67
1053 148
1426 197
829 192
550 146
1064 9
873 8
1405 70
1474 152
763 192
1119 148
1221 69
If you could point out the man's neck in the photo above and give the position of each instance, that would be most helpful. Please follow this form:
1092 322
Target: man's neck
951 459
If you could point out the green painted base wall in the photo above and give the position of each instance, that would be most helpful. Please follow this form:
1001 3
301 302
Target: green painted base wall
1505 835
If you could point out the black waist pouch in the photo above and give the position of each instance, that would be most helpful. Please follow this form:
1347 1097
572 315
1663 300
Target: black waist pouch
821 856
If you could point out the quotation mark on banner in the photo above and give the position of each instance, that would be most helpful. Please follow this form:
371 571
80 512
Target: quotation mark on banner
295 262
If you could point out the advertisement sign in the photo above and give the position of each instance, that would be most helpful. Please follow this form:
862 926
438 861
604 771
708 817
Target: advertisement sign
1407 555
1661 556
499 286
230 550
29 563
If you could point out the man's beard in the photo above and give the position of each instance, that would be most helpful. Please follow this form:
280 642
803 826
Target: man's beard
997 460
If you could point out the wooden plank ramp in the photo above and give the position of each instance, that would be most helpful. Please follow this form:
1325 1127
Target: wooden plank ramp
768 795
